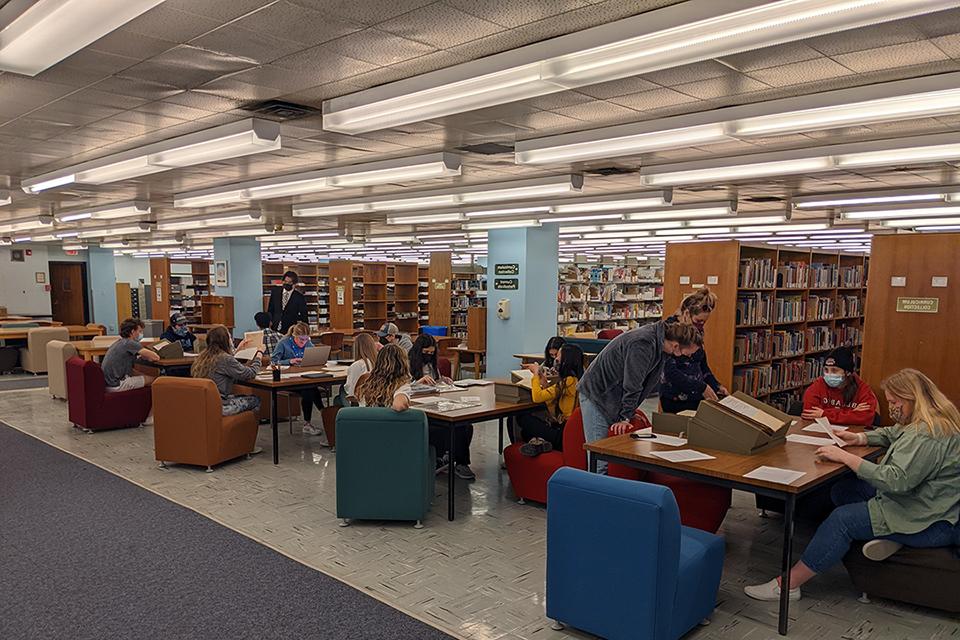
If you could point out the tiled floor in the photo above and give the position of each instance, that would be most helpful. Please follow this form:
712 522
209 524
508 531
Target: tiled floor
479 577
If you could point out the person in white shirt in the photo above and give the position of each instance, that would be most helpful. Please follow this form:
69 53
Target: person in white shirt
388 383
365 354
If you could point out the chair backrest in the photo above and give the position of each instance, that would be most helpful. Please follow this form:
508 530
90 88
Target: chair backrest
608 334
104 341
443 345
38 338
85 387
94 325
640 527
444 367
573 439
188 405
333 339
58 352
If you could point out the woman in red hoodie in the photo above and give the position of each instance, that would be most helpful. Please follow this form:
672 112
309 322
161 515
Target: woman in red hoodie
840 395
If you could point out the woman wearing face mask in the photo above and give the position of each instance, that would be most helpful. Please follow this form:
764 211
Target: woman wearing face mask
552 351
840 395
178 332
908 499
289 351
687 379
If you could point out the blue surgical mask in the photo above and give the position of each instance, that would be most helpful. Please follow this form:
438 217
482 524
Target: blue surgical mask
833 380
180 331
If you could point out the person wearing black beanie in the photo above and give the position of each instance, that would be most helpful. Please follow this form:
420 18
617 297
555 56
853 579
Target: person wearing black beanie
839 395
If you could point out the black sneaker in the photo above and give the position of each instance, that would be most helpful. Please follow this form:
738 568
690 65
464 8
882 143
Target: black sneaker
443 464
534 447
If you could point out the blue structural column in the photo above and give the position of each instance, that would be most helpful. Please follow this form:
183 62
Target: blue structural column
244 279
533 304
102 280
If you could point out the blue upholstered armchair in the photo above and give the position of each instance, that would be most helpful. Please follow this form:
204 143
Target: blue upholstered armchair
385 465
620 565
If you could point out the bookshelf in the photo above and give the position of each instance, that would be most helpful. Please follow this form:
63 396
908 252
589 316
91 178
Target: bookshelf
423 294
608 296
779 311
181 285
314 285
468 289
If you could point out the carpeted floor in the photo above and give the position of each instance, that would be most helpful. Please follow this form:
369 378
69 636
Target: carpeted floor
86 554
18 381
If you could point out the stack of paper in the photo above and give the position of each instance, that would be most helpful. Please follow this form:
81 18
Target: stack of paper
682 455
820 442
736 404
472 383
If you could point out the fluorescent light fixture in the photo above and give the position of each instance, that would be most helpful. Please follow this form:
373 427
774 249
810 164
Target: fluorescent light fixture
47 31
552 185
875 197
114 245
5 198
502 224
319 234
680 232
66 234
21 239
242 138
944 227
425 219
422 167
786 228
199 222
225 233
932 153
106 212
506 212
905 212
618 202
700 210
26 224
133 229
737 221
906 223
738 172
74 246
609 216
660 39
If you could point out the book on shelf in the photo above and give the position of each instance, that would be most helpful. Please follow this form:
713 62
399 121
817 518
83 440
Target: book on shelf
756 273
788 343
753 380
753 309
819 307
790 309
819 338
851 277
823 275
750 346
792 275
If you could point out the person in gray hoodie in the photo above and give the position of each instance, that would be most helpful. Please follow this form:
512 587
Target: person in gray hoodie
626 372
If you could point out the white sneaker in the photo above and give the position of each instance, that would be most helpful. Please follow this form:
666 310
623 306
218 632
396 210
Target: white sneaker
770 592
148 422
310 430
880 550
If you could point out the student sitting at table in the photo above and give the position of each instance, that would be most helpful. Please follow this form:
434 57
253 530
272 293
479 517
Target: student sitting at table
289 351
423 361
839 395
118 362
551 351
542 432
365 349
388 385
909 498
270 336
179 332
218 363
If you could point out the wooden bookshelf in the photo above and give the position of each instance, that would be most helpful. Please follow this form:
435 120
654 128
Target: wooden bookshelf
374 286
182 285
607 296
439 297
778 310
341 302
406 300
423 294
314 285
468 289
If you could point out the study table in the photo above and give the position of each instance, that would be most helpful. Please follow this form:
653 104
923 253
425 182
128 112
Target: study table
164 366
76 331
727 469
459 352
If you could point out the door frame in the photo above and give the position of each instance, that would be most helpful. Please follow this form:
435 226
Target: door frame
83 280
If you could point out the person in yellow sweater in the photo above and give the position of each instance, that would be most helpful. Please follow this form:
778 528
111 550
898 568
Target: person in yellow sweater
555 387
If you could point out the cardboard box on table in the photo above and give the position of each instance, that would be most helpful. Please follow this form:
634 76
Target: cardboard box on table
717 426
673 423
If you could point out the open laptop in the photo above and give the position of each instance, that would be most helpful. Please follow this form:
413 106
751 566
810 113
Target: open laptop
315 356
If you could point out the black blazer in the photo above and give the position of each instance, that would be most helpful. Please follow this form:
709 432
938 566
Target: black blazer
295 312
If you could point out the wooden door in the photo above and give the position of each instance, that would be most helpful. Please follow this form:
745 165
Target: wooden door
68 292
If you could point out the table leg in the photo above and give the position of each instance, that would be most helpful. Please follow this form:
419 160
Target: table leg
476 365
788 508
591 462
273 425
452 477
88 356
500 434
456 365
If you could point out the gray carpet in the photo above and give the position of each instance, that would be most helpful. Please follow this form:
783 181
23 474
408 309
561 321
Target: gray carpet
86 554
16 382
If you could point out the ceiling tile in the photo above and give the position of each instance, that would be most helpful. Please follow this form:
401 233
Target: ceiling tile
721 87
188 67
872 37
614 88
655 99
689 73
512 13
221 10
146 89
131 45
367 12
598 112
441 26
166 23
898 55
289 21
234 40
323 64
771 56
800 72
380 47
283 80
204 101
950 45
940 23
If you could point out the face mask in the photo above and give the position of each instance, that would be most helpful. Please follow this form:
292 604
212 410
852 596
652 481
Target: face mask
833 380
288 286
896 414
180 331
300 342
699 326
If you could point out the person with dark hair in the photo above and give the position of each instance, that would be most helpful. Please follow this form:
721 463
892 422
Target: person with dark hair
626 372
543 431
423 361
117 364
390 334
270 336
552 350
839 395
688 379
287 306
179 332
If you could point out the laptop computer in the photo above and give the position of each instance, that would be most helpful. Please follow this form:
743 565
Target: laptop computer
315 356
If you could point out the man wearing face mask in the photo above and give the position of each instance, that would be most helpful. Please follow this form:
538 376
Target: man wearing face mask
179 332
287 306
839 395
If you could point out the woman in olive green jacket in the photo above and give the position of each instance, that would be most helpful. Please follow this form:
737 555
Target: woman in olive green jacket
911 497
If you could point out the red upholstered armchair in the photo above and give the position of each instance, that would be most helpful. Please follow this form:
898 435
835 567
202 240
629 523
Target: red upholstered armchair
608 334
443 367
702 506
93 409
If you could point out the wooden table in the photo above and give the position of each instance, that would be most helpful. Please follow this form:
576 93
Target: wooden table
459 352
87 350
289 384
727 470
165 365
76 331
528 358
489 409
23 320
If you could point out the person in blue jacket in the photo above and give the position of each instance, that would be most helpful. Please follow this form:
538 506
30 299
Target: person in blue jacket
688 379
179 332
289 351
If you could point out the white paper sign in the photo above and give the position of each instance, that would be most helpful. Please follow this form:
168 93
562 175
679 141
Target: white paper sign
775 474
898 281
713 279
801 439
938 281
684 279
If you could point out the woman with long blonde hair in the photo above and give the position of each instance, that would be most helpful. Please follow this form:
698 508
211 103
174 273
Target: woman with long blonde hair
388 383
217 363
365 349
910 498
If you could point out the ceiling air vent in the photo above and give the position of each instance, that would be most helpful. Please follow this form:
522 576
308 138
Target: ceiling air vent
487 148
611 171
280 110
763 199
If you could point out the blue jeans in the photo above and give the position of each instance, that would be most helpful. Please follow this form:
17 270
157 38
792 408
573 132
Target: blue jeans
851 521
595 427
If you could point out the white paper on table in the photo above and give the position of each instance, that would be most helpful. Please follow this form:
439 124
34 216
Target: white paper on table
670 441
190 355
775 474
816 428
801 439
750 411
472 383
682 455
828 429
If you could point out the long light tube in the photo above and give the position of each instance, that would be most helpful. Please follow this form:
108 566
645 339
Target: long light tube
906 223
660 39
187 224
26 224
906 212
503 224
106 212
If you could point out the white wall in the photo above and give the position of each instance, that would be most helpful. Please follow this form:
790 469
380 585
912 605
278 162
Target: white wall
19 291
133 271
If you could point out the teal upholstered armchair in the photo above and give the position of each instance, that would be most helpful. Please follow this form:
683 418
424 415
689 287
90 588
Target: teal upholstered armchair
385 465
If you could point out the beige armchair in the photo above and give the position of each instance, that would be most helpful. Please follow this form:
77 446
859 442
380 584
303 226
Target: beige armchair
58 352
103 341
33 357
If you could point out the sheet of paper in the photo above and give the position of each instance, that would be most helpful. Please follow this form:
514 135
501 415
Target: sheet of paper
816 428
190 355
820 442
472 383
828 429
750 411
681 455
670 441
775 474
522 378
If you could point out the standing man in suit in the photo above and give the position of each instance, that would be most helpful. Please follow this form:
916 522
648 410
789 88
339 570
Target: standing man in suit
287 306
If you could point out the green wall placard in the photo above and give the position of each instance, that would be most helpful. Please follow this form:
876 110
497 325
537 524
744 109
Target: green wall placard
506 283
510 269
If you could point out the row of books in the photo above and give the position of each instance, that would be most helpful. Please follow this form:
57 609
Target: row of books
753 308
819 338
754 381
756 273
849 306
783 375
786 344
820 307
823 276
852 276
618 311
609 273
790 309
750 346
849 335
792 275
786 374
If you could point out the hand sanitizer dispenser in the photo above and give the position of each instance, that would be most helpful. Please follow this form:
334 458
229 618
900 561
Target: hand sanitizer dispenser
503 308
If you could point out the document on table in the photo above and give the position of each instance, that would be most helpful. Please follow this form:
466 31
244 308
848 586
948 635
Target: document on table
828 429
660 438
801 439
748 410
775 474
472 383
682 455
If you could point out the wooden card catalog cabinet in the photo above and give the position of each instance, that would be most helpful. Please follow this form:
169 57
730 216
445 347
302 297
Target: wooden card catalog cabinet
217 310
